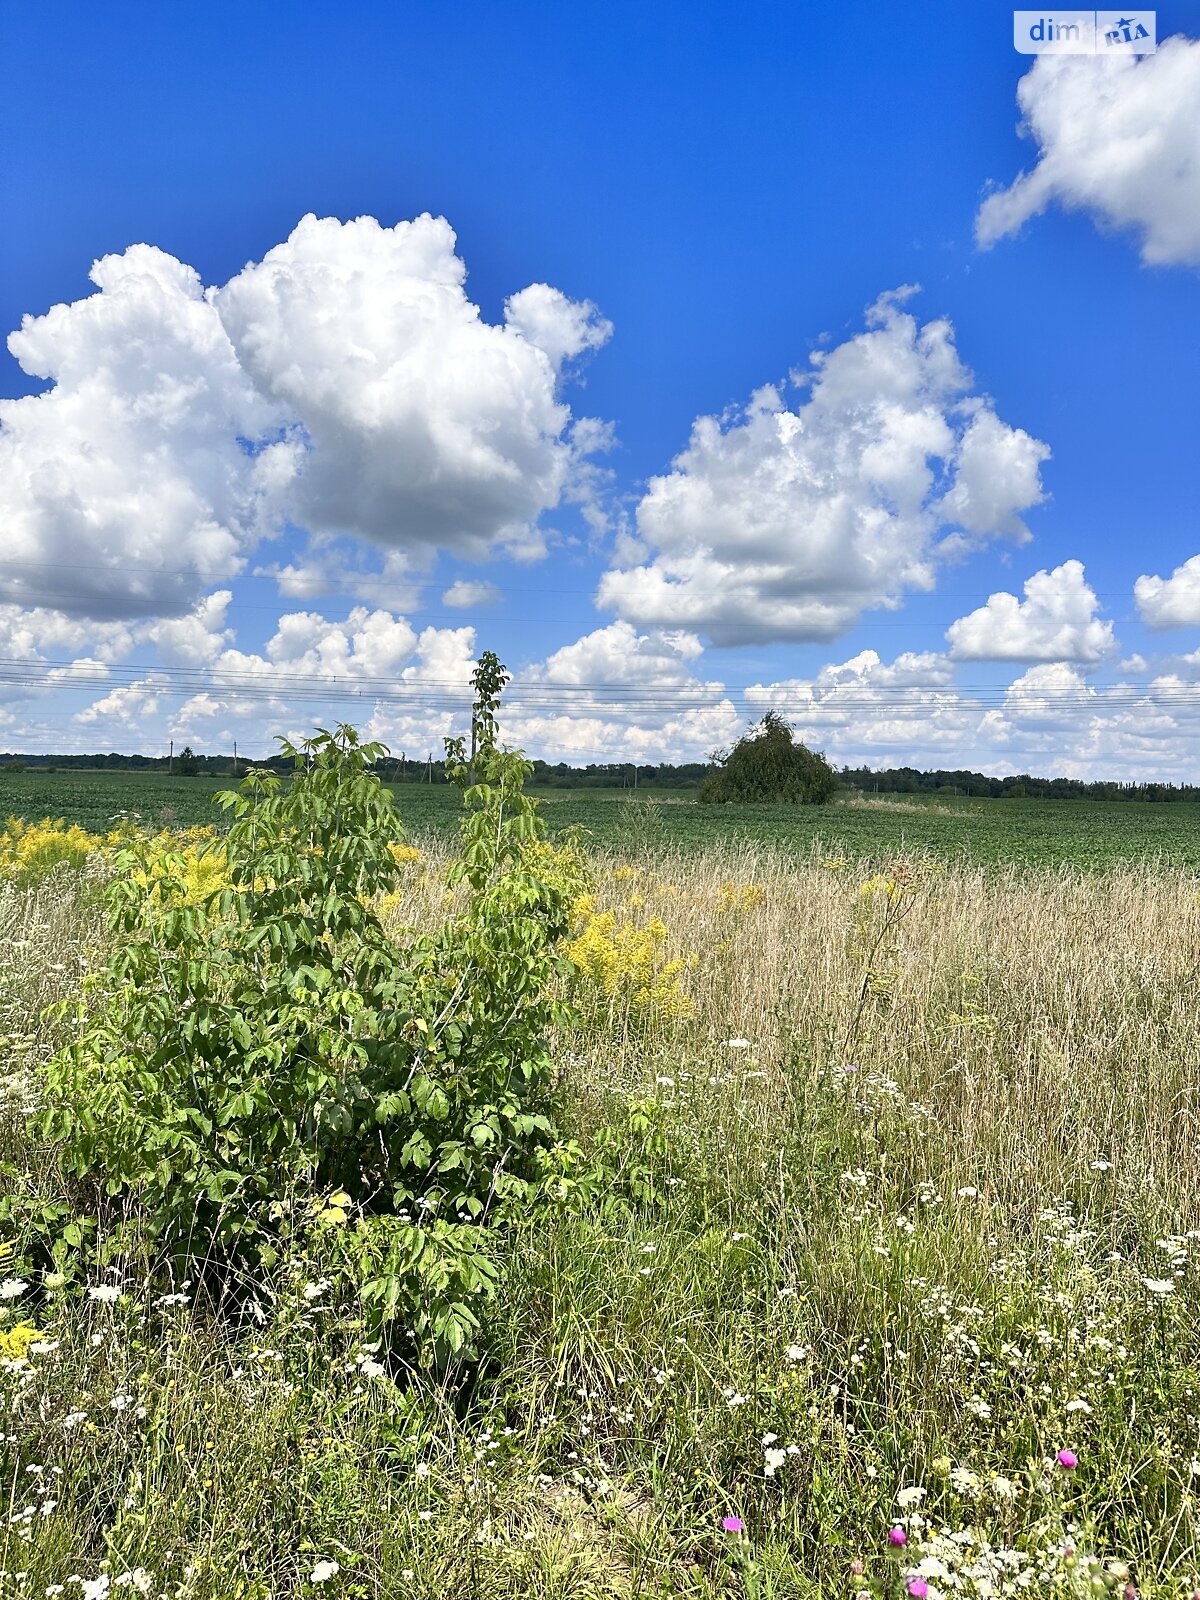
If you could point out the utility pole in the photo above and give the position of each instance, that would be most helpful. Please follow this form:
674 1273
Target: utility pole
429 768
171 759
235 758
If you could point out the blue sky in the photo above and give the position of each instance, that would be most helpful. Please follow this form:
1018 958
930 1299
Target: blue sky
344 463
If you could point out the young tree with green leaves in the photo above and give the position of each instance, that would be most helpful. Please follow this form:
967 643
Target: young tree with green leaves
270 1071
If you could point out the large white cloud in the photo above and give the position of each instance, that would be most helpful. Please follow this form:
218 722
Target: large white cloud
1056 621
780 523
427 427
1119 139
127 484
1172 602
345 383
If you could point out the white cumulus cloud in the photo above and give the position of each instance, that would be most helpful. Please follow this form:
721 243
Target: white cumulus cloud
466 593
199 637
1056 621
618 695
1119 139
345 384
788 523
1172 602
426 426
127 484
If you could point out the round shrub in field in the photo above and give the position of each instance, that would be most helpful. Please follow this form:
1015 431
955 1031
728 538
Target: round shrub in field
768 764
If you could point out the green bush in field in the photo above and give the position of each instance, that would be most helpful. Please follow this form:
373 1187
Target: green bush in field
768 764
269 1071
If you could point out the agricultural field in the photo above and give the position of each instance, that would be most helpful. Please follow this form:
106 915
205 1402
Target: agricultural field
1090 834
809 1227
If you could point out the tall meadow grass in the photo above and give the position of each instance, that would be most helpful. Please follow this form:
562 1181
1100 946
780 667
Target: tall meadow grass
888 1284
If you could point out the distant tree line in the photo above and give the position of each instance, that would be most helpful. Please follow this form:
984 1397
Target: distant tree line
661 775
1020 786
394 769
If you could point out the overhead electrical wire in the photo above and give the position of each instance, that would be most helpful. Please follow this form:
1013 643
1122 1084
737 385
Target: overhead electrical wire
583 698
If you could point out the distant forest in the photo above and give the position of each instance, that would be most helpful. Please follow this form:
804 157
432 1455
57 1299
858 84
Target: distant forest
624 775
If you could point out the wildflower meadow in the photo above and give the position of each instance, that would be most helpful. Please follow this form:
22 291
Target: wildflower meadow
384 1216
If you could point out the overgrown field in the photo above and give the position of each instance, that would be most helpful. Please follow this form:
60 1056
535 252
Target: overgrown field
1095 833
858 1253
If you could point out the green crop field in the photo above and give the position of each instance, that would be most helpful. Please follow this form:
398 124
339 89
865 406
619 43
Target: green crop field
1093 834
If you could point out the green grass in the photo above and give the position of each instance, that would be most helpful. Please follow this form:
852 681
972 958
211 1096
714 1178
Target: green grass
897 1243
1092 834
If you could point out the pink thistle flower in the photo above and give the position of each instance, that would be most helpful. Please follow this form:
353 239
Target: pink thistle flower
917 1587
733 1525
1067 1460
897 1536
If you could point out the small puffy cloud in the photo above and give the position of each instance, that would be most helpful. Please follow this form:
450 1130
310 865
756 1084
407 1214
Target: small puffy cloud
198 706
1172 602
1055 622
129 705
198 638
368 644
996 474
618 655
562 328
426 427
466 593
788 523
1119 139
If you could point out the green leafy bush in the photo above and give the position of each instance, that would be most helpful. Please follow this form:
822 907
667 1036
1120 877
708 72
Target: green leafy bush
767 764
273 1043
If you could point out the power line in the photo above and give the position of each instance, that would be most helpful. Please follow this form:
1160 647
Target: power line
590 697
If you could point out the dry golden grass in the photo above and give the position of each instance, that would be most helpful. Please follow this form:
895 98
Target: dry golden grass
1046 1019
